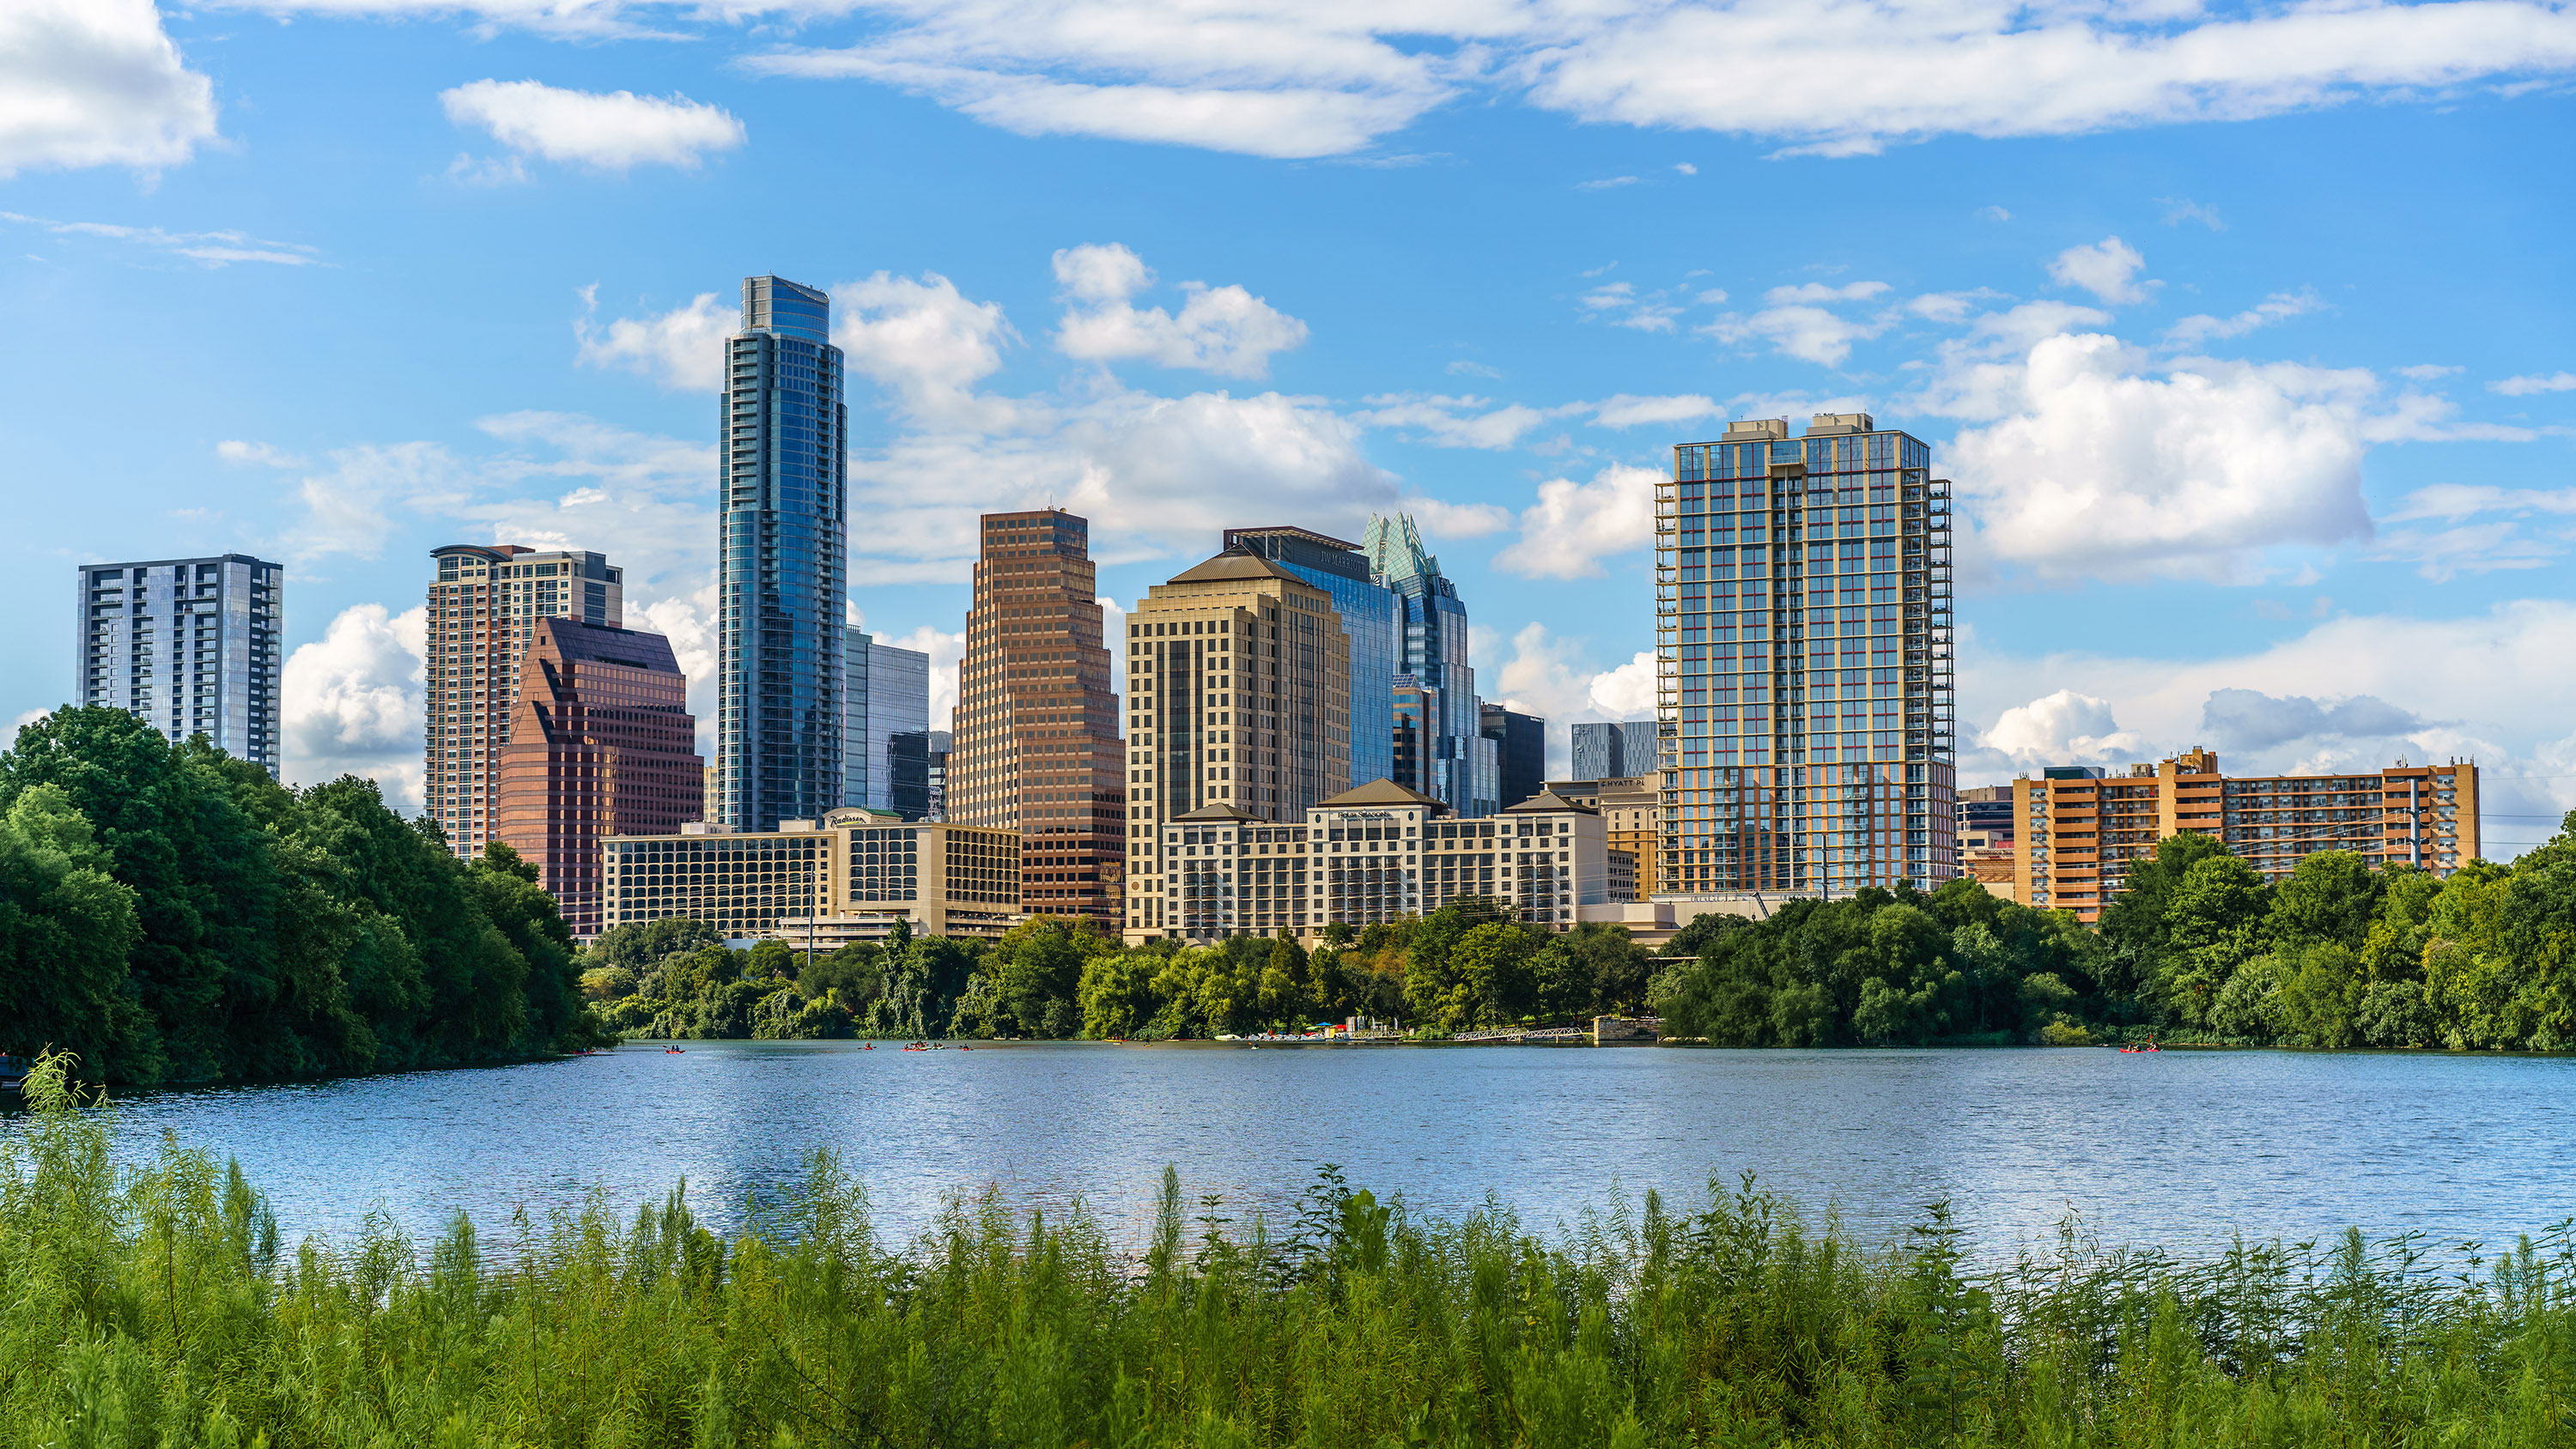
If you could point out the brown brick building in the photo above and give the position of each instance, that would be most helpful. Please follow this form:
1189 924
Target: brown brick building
601 743
2077 829
1035 745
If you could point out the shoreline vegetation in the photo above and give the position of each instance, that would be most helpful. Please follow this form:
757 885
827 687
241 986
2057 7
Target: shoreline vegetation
2198 950
156 1304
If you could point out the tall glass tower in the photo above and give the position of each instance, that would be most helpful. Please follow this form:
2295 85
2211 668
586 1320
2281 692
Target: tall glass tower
1457 763
1802 640
781 575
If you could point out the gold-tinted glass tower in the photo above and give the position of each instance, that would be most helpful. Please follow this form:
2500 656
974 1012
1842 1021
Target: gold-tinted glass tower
1035 744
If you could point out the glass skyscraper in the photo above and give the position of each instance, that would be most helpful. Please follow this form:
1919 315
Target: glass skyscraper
781 572
884 751
1802 640
1370 620
1458 765
189 646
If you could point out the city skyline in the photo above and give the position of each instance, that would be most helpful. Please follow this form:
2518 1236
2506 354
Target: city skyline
2242 465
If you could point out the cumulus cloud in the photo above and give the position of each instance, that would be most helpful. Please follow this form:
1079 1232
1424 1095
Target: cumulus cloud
1621 305
1224 330
2095 464
2528 385
682 348
2280 306
1452 422
264 455
2248 719
614 131
352 702
923 340
1574 526
1552 676
2108 269
1627 410
96 83
1800 322
2062 728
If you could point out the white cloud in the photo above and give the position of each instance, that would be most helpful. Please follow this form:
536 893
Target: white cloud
1628 411
615 131
352 703
1993 213
2503 540
2277 307
96 83
2179 209
2064 728
1463 368
2526 386
265 455
1453 422
2108 269
1798 321
1685 168
682 348
2428 371
1573 526
213 248
1621 305
1224 330
1606 183
2095 466
1552 676
922 339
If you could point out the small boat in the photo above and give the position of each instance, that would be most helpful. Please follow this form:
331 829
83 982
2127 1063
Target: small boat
673 1051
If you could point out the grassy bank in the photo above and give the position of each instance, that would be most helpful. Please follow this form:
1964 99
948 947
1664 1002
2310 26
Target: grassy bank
157 1307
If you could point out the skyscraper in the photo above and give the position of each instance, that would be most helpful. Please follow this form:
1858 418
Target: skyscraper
1458 765
1613 751
1238 684
885 699
1035 744
187 645
484 605
601 743
1520 751
1802 639
781 578
1371 620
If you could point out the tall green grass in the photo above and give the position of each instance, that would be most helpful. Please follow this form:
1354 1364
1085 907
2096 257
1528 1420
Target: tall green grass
155 1307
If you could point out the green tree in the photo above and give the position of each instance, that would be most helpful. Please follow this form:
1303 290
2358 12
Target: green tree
65 929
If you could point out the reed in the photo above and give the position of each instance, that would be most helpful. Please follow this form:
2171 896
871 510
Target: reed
156 1306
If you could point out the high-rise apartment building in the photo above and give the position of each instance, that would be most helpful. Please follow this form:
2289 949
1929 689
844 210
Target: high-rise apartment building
1631 809
2078 829
1458 765
484 606
1238 694
1034 746
935 775
1372 620
1618 749
189 646
1520 751
1802 644
601 743
782 560
885 699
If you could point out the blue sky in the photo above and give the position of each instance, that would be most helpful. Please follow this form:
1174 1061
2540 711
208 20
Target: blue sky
2244 332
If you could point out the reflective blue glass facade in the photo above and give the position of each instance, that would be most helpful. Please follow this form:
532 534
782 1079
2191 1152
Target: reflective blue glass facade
781 568
1802 638
1458 764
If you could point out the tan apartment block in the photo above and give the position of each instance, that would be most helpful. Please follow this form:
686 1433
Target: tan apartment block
2078 830
1630 807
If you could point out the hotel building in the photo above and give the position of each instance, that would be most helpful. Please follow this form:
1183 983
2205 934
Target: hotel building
1803 658
848 876
189 646
1238 680
600 743
484 606
1376 855
2078 830
1034 745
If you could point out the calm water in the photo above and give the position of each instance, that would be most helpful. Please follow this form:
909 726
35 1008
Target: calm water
2177 1149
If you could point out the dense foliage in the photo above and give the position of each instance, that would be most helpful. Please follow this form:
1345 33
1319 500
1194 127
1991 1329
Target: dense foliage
155 1305
1054 977
171 914
2199 947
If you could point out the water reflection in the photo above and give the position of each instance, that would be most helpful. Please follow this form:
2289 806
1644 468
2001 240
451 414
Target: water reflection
2179 1149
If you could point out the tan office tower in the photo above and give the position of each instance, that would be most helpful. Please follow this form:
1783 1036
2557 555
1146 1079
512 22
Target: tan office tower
1035 744
483 609
1238 694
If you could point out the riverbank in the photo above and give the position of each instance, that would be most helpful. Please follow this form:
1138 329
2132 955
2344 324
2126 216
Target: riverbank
162 1306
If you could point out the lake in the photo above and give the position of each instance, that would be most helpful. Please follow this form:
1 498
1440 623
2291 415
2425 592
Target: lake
2178 1149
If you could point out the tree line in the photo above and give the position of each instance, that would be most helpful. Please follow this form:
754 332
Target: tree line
171 914
1464 966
